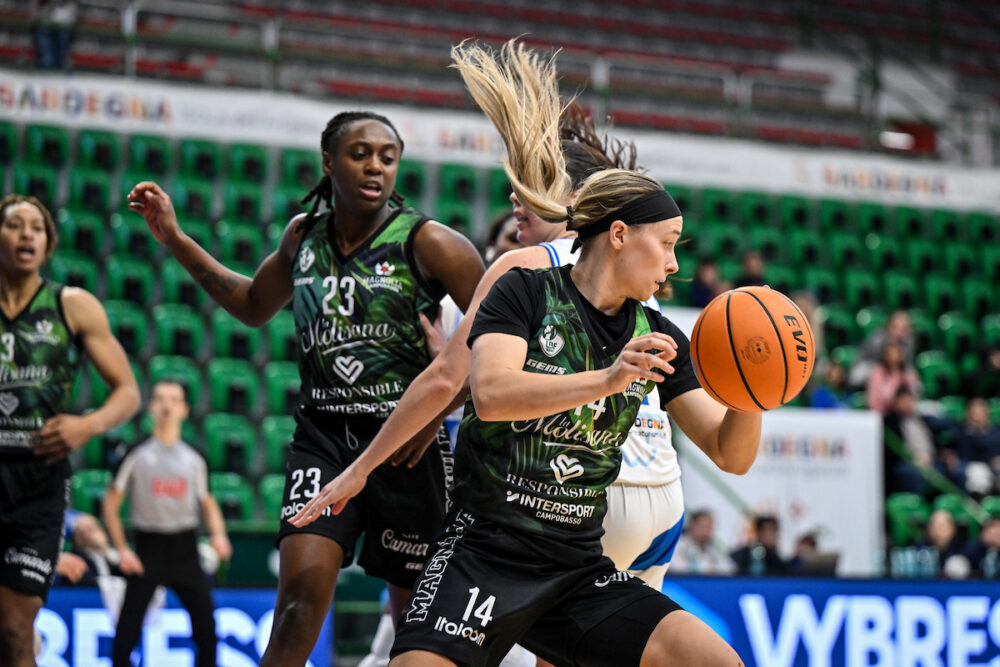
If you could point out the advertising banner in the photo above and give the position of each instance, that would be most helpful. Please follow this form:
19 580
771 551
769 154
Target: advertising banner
77 631
818 471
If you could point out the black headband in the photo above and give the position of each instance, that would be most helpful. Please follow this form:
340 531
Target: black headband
653 207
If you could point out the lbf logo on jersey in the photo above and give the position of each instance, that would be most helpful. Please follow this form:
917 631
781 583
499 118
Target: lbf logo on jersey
348 368
306 259
384 269
550 341
565 467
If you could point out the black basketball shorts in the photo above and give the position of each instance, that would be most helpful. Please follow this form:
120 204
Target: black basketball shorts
33 500
398 514
486 587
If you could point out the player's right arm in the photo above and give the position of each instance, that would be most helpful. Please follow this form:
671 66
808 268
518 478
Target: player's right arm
253 301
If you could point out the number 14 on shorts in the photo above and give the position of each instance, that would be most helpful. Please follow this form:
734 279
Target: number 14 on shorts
483 612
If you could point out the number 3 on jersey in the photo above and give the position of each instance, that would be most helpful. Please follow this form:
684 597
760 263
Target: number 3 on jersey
346 300
483 611
7 353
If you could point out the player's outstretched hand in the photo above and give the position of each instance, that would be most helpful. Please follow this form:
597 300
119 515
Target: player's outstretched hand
337 492
150 201
59 436
643 358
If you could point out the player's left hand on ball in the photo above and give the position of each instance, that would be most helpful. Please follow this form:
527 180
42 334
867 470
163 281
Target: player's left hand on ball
337 492
59 436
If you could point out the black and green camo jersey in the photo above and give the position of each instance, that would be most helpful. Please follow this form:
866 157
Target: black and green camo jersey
39 361
356 316
548 476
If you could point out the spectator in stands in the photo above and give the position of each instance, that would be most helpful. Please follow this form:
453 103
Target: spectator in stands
707 283
889 376
761 556
907 470
942 537
984 380
89 541
804 548
502 236
898 330
52 32
977 444
753 270
697 551
831 390
984 553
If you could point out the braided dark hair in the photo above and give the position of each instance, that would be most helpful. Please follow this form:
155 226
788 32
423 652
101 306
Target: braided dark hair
322 192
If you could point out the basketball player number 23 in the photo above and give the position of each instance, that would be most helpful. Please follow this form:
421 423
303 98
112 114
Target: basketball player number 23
346 305
483 611
299 476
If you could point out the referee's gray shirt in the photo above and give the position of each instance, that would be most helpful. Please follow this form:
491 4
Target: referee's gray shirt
165 485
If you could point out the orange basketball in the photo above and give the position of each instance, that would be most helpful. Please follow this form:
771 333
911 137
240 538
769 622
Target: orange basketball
753 349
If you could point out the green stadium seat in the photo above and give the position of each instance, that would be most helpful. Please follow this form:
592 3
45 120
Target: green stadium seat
129 324
180 287
989 329
757 208
81 231
807 247
178 369
97 149
133 279
90 190
730 269
720 241
194 199
872 219
782 278
948 226
822 282
979 297
901 290
37 181
861 289
718 205
796 213
983 228
869 319
844 355
937 372
965 520
200 159
233 338
836 215
990 262
233 386
88 488
411 180
302 168
847 250
272 490
457 183
922 256
240 243
907 515
940 295
130 235
684 196
76 269
283 385
282 341
498 189
455 214
230 442
925 328
991 505
277 432
960 259
234 495
994 411
150 154
884 253
910 223
9 143
953 407
249 163
179 330
99 389
99 450
243 203
286 203
46 145
839 326
958 332
769 242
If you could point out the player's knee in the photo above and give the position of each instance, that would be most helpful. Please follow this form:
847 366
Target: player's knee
295 615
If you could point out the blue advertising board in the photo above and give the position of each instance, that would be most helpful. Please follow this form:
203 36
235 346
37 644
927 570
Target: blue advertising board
77 631
793 622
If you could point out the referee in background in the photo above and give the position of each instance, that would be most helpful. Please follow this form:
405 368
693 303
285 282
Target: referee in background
167 480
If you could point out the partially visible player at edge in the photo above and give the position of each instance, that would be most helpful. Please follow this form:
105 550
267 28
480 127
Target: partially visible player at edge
562 359
45 329
357 277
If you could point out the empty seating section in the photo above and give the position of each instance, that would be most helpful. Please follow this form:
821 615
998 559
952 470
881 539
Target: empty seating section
861 259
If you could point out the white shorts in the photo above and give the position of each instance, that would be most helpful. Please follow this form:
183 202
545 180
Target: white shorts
643 525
